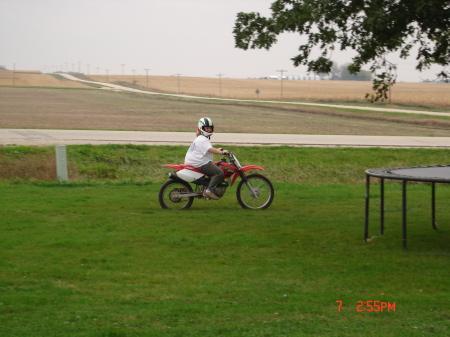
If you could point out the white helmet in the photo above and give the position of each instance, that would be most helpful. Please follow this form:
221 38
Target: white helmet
205 121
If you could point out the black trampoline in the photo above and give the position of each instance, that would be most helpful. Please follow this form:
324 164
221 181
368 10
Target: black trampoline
432 174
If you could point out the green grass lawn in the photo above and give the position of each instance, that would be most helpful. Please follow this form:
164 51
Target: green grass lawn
103 259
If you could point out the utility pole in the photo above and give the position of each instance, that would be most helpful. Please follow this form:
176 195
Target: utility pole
220 83
146 72
123 65
178 82
106 75
281 71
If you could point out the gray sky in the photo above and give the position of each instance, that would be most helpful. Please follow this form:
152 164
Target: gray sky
187 37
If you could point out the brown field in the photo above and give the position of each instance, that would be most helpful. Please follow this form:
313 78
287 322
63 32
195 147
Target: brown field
35 79
119 110
430 95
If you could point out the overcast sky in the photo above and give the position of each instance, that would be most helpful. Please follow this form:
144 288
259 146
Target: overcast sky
187 37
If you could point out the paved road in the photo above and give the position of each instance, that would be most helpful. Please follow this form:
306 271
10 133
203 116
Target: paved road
69 137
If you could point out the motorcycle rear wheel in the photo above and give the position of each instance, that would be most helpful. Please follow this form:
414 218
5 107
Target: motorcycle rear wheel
168 195
263 189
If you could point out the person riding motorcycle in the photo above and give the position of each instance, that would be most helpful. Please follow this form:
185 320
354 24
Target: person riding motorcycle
201 154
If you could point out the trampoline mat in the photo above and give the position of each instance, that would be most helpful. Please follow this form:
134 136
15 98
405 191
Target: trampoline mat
438 173
424 172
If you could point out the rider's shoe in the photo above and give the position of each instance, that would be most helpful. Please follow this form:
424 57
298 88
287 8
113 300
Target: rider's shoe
210 194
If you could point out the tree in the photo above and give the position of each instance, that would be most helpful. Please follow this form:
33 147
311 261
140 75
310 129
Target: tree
373 28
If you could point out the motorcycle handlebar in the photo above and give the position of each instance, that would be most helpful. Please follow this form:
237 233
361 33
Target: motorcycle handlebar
229 154
232 157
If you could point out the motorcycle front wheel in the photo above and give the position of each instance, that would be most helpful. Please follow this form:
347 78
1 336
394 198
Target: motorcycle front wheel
169 195
261 194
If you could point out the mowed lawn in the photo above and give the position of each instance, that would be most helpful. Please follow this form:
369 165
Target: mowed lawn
100 259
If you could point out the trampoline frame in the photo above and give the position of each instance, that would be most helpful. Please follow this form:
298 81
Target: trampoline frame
384 173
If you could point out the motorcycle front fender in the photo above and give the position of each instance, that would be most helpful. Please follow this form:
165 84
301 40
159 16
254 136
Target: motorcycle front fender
242 170
251 167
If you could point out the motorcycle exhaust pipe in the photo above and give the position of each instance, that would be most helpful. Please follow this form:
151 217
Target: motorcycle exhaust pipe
175 177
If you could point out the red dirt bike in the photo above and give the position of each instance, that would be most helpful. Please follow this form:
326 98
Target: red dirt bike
254 191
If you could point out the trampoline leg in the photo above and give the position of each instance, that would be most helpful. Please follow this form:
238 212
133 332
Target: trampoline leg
366 219
433 205
404 214
382 206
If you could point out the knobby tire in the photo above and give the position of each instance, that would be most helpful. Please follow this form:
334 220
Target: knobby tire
167 192
263 187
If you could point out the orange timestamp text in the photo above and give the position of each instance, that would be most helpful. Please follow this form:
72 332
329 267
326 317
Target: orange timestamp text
372 306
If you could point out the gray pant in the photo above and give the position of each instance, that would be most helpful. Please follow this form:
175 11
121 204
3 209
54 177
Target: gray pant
214 172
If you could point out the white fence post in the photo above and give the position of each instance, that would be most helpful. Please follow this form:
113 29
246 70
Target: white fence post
61 163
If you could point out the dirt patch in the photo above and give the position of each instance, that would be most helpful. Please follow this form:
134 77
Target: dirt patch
32 166
108 110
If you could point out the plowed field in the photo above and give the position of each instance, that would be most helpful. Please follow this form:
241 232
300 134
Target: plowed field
110 110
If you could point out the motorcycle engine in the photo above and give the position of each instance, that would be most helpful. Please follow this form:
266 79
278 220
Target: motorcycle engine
219 191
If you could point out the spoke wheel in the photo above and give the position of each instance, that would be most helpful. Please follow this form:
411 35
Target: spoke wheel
169 195
262 195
